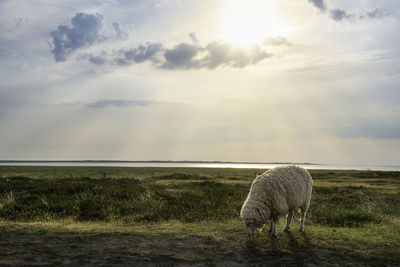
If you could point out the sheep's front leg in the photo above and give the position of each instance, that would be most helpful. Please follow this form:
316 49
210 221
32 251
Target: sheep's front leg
288 220
274 232
302 219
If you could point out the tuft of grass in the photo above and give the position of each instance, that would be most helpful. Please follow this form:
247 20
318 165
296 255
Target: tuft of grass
7 200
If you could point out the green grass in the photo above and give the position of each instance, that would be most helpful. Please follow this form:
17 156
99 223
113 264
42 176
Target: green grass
93 215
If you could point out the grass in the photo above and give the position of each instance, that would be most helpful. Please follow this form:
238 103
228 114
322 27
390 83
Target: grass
113 216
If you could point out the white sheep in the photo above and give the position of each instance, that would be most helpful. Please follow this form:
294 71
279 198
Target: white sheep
277 192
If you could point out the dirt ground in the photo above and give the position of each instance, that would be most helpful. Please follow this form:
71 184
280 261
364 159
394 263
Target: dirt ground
25 245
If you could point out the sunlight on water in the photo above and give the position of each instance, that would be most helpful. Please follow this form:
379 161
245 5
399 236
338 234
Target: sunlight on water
200 165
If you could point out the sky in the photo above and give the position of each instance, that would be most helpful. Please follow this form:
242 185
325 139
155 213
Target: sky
230 80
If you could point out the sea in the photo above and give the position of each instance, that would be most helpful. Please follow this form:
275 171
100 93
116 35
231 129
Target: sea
202 164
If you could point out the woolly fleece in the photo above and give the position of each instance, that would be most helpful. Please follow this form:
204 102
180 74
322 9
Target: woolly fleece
275 193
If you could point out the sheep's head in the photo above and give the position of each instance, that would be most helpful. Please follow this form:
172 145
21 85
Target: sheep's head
251 227
253 219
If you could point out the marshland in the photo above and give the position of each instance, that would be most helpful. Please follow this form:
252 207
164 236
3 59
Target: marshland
189 216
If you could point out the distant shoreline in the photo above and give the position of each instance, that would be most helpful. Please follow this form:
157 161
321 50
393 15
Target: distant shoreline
194 164
154 161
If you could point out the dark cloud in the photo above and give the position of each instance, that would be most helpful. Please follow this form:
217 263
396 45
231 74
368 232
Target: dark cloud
85 31
97 60
212 56
320 4
142 52
181 56
119 103
122 62
125 57
120 34
276 41
339 14
376 14
193 37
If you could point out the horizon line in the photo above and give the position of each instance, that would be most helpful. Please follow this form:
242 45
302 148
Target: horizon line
163 161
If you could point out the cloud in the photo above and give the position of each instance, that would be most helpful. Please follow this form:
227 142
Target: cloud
237 57
187 55
119 103
377 13
97 60
339 14
193 37
212 56
142 52
276 41
125 57
120 34
122 61
181 56
85 31
100 59
320 4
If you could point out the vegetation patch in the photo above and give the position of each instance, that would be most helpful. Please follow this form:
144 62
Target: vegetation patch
182 176
94 215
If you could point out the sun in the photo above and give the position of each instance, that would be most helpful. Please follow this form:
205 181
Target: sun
246 23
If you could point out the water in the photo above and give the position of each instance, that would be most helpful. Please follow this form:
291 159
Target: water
199 165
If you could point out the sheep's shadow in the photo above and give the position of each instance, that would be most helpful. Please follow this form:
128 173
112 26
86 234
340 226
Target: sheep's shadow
267 249
264 251
301 248
288 246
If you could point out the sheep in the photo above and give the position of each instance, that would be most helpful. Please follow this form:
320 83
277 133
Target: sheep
277 192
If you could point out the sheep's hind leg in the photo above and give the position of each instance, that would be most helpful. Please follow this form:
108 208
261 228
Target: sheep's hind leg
274 232
288 220
271 225
302 219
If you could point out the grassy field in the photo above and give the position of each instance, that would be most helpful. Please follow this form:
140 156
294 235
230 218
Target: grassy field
189 216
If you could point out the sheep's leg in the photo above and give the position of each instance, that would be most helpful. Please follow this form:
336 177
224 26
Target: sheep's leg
302 219
271 225
274 232
288 220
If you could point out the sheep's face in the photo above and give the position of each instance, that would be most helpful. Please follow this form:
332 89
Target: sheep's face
251 227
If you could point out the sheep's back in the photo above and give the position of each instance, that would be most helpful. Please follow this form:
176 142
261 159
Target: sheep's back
286 188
